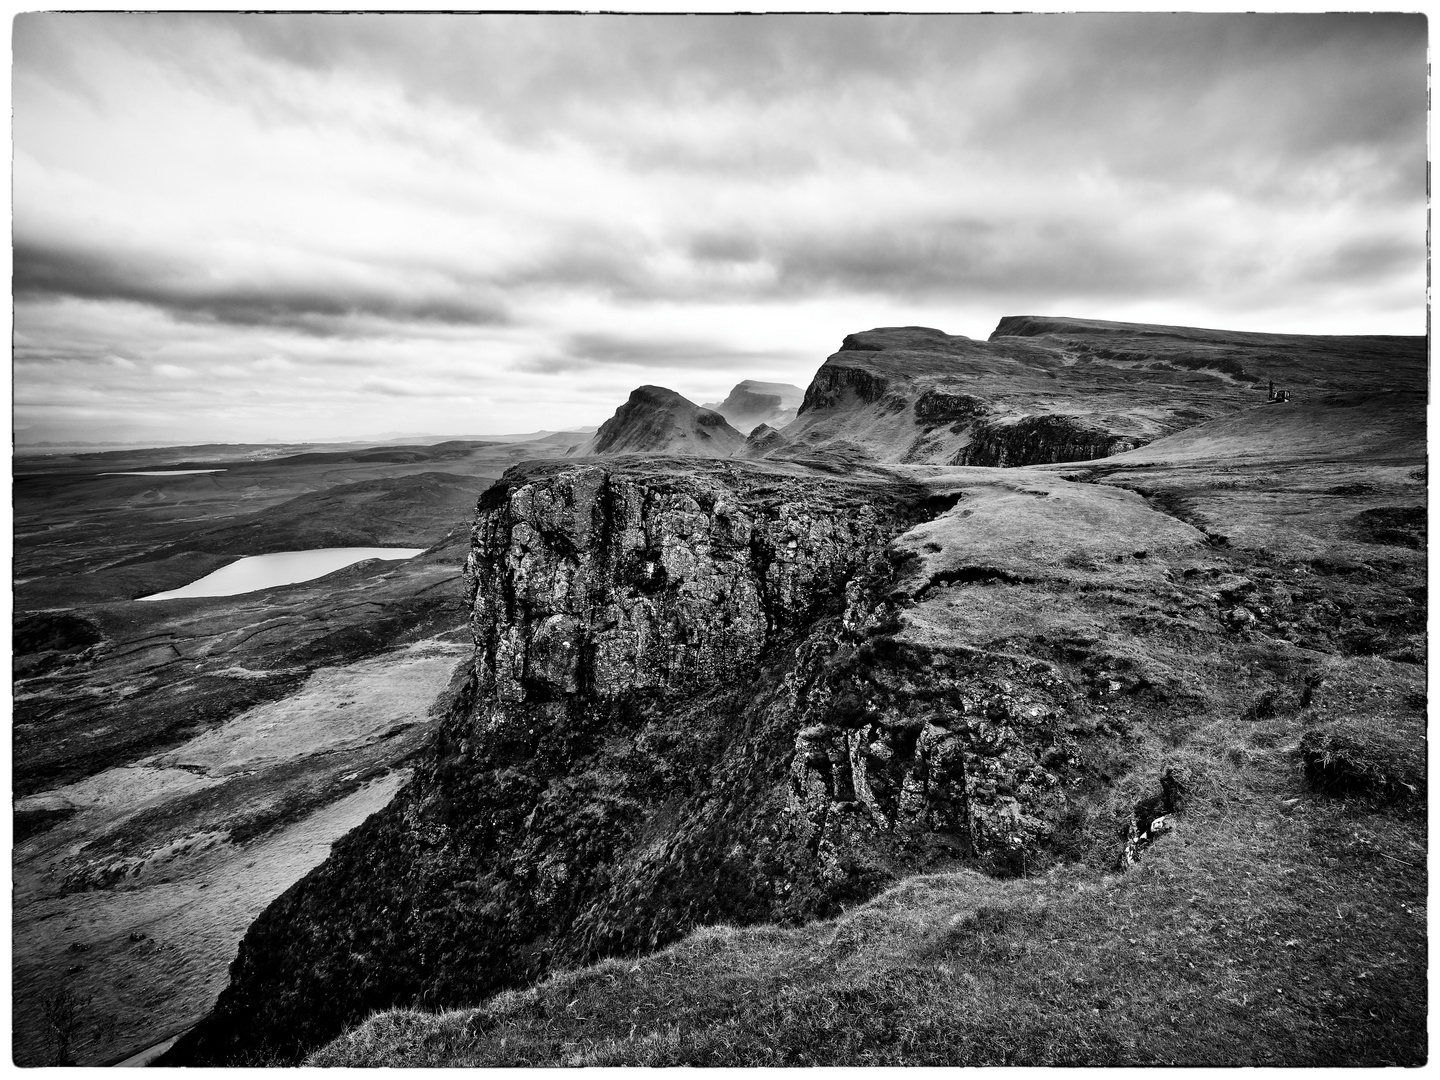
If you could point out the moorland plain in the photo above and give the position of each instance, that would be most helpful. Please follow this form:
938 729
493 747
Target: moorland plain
179 763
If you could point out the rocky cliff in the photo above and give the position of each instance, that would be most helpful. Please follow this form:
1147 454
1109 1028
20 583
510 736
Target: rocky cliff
762 440
659 421
717 693
619 767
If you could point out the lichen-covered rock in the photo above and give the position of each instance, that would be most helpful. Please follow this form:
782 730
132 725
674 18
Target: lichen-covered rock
928 749
596 583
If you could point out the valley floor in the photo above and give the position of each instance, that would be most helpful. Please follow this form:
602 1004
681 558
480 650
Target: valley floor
179 764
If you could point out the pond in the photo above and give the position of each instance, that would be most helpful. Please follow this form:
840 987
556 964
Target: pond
256 572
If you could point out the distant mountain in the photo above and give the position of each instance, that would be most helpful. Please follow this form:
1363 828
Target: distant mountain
659 421
762 440
576 434
1058 389
753 403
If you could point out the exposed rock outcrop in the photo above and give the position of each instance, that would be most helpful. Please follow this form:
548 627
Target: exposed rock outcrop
916 395
1041 440
752 403
659 421
589 584
618 768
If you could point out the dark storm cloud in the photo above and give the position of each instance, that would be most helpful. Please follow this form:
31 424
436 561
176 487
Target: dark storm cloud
1180 87
183 291
1203 97
580 352
1366 259
978 258
909 256
1223 94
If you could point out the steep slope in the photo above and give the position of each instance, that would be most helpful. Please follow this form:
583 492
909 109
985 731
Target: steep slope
659 421
752 403
1045 390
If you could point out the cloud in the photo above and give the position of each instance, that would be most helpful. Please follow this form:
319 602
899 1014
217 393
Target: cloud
394 388
185 291
396 204
585 351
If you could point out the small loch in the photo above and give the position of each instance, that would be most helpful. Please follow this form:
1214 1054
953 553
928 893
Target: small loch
255 572
162 472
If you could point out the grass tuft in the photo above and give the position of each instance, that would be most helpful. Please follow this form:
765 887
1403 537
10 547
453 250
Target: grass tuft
1360 759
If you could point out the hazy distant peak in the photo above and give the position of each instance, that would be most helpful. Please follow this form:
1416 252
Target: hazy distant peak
752 402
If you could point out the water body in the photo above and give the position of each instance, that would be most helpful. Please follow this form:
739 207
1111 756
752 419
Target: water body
166 472
256 572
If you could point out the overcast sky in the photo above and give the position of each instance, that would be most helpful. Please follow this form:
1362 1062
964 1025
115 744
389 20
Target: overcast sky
258 227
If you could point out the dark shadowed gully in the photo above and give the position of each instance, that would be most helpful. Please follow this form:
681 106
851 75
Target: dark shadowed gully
1062 762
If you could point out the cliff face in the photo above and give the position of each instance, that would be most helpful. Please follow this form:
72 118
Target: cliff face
659 421
916 395
587 584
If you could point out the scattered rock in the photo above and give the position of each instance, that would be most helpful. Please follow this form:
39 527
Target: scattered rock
1149 818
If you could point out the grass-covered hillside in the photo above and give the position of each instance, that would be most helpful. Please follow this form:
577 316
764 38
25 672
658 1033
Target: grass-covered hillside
1274 925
